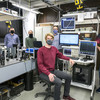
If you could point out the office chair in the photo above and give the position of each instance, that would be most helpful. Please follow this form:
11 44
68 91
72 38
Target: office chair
48 92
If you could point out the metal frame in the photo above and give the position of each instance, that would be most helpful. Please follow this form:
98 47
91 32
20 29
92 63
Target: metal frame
11 71
93 84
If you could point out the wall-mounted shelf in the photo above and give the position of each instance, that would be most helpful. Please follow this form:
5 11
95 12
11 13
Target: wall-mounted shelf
4 16
88 21
79 32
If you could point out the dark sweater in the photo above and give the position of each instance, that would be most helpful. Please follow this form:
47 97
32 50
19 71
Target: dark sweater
46 59
29 42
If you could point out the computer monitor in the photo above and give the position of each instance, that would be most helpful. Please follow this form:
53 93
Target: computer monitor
67 51
68 23
69 39
87 48
37 44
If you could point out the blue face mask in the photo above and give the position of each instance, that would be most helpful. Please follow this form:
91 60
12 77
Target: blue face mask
49 42
55 31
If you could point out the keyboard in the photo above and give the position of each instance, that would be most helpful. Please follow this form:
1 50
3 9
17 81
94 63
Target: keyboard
85 59
74 58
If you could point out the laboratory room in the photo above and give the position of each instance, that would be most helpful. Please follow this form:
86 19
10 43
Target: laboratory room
49 50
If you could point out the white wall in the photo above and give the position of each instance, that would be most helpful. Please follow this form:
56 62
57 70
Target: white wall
40 32
29 23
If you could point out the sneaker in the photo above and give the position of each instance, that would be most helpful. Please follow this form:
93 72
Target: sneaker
68 98
98 90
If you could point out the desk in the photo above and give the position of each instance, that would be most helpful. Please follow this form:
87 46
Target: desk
80 61
11 71
84 62
90 87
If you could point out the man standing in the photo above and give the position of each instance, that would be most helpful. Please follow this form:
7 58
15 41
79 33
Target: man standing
46 57
56 44
56 38
29 40
11 39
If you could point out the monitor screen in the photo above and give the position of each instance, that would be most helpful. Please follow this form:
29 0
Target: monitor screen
67 51
87 47
37 44
68 23
69 39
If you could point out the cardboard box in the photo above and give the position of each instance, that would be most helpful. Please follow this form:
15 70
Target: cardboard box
46 24
14 12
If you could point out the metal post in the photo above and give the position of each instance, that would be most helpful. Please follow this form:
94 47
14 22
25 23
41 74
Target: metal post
59 18
98 25
19 7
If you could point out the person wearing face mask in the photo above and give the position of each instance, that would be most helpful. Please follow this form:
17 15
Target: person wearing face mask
56 38
29 40
11 38
56 44
46 57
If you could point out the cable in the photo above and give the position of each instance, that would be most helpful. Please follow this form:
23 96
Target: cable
25 28
30 4
56 16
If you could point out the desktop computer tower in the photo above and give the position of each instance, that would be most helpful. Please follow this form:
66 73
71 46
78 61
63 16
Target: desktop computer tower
82 73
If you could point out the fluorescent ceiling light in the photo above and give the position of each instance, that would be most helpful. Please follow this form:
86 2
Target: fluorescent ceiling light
25 8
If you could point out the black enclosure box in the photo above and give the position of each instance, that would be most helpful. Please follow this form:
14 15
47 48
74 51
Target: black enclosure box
15 90
82 73
4 94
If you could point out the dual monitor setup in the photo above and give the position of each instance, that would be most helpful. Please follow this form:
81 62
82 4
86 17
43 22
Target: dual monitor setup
84 50
87 48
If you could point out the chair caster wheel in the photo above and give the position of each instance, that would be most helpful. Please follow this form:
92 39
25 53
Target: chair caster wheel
36 95
91 98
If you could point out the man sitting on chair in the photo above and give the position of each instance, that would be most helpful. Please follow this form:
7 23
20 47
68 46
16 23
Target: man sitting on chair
46 57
